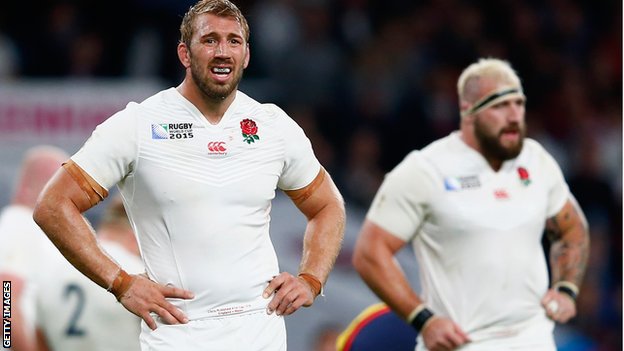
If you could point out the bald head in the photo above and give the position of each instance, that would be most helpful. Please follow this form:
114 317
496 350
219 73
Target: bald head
38 166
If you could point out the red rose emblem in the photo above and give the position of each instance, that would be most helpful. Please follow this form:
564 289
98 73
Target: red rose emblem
524 175
249 129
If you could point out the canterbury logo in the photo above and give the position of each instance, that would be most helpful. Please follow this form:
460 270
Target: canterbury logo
217 146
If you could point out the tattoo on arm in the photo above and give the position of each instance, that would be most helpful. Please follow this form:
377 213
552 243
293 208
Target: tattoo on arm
553 230
570 244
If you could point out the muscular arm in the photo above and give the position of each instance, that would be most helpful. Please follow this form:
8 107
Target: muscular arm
59 213
374 260
323 207
569 235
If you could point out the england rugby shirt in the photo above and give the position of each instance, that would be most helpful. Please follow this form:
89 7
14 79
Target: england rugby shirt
476 233
199 195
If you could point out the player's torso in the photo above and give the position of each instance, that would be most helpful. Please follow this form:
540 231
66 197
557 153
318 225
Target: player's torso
469 203
482 236
474 204
184 159
200 197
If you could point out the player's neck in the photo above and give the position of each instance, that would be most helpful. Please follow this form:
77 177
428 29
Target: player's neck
469 139
495 163
212 109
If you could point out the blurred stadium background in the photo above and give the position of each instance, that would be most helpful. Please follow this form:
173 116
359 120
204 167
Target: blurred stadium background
368 81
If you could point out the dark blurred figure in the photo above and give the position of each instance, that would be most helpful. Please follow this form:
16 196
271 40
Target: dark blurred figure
604 271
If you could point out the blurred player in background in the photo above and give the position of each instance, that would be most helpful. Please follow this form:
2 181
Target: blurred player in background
197 167
23 241
73 313
474 205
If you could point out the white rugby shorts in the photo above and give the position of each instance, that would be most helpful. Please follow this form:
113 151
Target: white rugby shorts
248 332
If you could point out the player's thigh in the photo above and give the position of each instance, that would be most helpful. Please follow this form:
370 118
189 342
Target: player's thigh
260 331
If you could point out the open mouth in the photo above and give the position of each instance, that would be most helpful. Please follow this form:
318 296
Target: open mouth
221 70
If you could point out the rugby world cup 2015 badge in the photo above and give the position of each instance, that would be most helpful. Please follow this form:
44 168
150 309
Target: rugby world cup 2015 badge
160 131
460 183
172 131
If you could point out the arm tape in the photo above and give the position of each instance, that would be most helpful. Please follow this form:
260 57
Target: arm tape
121 284
300 195
313 282
94 192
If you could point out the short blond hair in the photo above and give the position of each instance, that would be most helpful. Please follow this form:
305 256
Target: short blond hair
492 68
221 8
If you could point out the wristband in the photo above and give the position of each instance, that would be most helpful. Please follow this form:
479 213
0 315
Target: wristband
420 317
567 288
313 282
121 284
414 312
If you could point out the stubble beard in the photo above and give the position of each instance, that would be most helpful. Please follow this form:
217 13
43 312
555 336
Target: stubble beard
491 146
212 91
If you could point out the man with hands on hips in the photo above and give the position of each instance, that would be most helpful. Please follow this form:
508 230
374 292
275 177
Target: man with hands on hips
197 167
474 205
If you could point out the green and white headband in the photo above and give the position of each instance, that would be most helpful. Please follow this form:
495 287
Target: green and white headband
492 99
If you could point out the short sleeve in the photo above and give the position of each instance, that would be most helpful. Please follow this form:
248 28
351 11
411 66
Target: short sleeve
110 152
559 192
300 164
401 203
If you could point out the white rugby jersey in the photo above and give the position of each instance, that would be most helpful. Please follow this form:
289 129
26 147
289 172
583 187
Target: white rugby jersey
22 244
76 314
199 195
476 233
21 239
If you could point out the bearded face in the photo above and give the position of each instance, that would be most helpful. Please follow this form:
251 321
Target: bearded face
216 56
212 89
500 144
